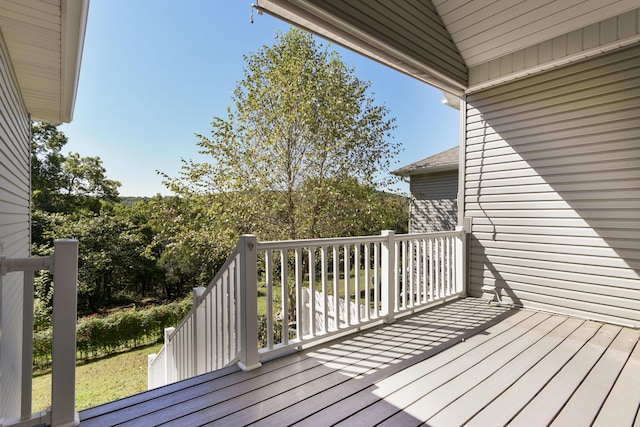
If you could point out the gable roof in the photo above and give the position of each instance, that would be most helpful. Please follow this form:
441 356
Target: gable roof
45 39
444 161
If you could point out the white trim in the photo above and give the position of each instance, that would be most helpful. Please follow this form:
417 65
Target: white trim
462 162
72 34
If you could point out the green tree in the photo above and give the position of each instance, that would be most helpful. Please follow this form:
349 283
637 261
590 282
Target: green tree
304 137
66 183
72 197
189 240
113 267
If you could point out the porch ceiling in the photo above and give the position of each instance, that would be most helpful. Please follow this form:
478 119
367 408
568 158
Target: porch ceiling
488 29
45 40
438 41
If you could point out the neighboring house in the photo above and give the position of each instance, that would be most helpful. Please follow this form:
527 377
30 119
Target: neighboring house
40 51
550 101
433 183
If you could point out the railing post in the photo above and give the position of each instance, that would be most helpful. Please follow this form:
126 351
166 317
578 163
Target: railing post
248 307
199 331
63 368
169 361
388 275
27 346
461 260
151 379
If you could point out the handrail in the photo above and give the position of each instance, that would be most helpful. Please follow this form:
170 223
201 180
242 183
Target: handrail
315 289
334 286
302 243
205 339
225 267
64 266
208 290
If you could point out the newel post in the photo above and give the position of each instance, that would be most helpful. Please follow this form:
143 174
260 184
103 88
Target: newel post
199 331
461 259
63 352
248 302
388 275
169 368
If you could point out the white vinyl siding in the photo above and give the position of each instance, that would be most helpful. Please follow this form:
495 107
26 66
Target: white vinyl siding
552 184
14 228
434 202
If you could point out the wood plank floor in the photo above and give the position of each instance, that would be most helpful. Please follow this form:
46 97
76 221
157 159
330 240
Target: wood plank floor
461 363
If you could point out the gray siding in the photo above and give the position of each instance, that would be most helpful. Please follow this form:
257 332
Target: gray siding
553 189
14 227
434 205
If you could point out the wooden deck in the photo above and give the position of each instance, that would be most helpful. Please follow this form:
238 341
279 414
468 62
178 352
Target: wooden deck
461 363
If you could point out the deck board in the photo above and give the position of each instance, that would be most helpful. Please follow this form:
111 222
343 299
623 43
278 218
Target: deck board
462 362
624 398
344 359
473 401
447 389
506 404
586 401
422 379
550 400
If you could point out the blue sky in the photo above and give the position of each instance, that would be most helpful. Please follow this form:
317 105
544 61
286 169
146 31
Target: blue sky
156 72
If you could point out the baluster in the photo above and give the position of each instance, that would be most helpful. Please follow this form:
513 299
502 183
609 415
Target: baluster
312 291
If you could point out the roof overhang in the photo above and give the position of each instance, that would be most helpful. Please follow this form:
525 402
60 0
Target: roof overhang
316 20
462 47
45 40
426 171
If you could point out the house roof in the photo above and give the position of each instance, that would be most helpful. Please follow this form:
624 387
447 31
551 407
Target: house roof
446 160
45 40
459 46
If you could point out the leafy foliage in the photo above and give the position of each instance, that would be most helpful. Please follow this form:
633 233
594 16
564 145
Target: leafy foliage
101 335
111 260
299 154
66 183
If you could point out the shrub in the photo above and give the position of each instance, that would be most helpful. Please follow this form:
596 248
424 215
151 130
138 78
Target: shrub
100 335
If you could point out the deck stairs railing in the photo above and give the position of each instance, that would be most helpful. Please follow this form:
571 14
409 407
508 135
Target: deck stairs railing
16 361
310 291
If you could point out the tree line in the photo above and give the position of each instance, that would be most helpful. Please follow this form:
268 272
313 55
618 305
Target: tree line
303 153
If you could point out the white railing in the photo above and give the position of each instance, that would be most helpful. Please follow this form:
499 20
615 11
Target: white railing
64 266
314 289
206 339
429 267
360 281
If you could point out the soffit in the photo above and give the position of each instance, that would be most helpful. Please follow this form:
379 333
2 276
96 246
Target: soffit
45 39
409 36
484 30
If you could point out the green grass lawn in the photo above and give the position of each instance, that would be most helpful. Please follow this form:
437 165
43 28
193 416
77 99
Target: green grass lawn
101 380
123 374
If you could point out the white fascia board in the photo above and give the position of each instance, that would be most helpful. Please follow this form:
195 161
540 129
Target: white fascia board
74 26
